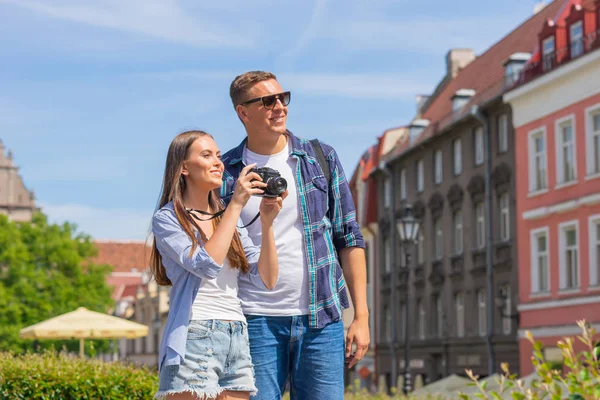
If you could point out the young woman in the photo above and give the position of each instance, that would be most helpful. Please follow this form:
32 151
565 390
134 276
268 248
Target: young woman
200 251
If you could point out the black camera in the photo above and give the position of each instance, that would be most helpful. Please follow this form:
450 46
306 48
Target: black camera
276 185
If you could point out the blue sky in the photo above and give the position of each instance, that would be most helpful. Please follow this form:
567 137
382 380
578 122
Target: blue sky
93 91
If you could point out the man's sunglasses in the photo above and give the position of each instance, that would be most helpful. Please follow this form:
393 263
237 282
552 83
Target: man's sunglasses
270 100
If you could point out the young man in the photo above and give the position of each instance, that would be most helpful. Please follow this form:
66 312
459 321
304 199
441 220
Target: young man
296 330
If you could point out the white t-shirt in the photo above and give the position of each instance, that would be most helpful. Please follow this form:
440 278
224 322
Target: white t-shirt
290 295
218 298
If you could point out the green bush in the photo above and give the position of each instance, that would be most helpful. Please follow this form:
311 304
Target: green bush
52 376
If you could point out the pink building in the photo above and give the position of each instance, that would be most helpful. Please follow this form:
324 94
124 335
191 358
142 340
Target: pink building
556 115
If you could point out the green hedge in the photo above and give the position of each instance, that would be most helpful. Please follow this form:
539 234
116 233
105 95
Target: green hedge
52 376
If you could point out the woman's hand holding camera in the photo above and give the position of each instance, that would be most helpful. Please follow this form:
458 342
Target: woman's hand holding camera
248 184
270 207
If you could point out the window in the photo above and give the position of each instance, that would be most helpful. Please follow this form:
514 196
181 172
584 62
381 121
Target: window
458 232
481 312
387 256
537 161
388 323
403 184
480 225
479 146
565 151
421 319
387 192
540 279
439 316
548 54
569 260
594 235
437 167
593 140
439 238
420 176
506 321
505 217
459 303
421 249
503 133
576 39
457 156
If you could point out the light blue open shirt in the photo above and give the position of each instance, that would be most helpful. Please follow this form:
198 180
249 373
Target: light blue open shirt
186 272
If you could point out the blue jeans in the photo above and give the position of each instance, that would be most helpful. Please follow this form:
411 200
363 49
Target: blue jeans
313 359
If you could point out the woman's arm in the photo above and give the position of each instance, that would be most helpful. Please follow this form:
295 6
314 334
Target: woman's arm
268 264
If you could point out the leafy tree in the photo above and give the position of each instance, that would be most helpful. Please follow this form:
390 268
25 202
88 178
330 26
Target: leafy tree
45 271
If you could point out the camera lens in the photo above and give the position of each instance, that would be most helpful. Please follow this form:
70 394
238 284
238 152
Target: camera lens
276 186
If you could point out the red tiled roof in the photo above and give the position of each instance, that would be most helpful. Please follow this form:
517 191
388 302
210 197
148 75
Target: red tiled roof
124 256
488 68
121 284
485 75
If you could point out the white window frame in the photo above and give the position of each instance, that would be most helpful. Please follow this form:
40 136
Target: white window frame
403 184
479 146
561 177
562 246
545 52
534 185
458 237
594 249
420 177
480 225
592 139
504 203
579 50
503 133
438 232
421 323
387 255
457 157
507 321
536 284
438 172
459 306
387 192
482 312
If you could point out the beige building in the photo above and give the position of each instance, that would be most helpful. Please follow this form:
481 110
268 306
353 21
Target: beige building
15 200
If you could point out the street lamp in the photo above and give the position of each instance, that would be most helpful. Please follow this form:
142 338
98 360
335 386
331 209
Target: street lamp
408 229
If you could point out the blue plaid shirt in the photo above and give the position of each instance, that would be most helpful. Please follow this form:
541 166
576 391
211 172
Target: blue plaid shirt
329 221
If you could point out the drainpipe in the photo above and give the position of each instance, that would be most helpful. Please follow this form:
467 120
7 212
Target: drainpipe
384 167
484 121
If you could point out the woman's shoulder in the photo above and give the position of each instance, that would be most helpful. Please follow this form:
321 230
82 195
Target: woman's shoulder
165 214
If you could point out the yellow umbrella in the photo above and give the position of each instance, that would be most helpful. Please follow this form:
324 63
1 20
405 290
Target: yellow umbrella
84 324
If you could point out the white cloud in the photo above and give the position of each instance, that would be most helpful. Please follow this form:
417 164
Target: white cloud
102 223
163 19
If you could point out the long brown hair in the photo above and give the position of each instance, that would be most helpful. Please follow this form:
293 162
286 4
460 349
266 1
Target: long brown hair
173 188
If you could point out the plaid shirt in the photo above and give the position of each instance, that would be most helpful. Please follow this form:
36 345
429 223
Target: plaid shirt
329 221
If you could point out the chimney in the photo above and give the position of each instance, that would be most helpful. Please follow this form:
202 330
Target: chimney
457 59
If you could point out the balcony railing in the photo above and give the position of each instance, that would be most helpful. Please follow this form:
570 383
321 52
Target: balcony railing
551 61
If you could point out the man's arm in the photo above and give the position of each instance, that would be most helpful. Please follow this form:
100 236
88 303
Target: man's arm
349 243
355 273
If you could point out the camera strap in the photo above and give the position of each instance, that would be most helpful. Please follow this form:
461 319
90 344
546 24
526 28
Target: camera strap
192 212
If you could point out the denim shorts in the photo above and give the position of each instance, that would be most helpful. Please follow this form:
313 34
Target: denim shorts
217 358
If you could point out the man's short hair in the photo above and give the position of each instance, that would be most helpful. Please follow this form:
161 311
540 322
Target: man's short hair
242 83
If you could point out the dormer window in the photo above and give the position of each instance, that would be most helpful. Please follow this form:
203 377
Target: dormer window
576 35
416 127
548 53
461 98
513 67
